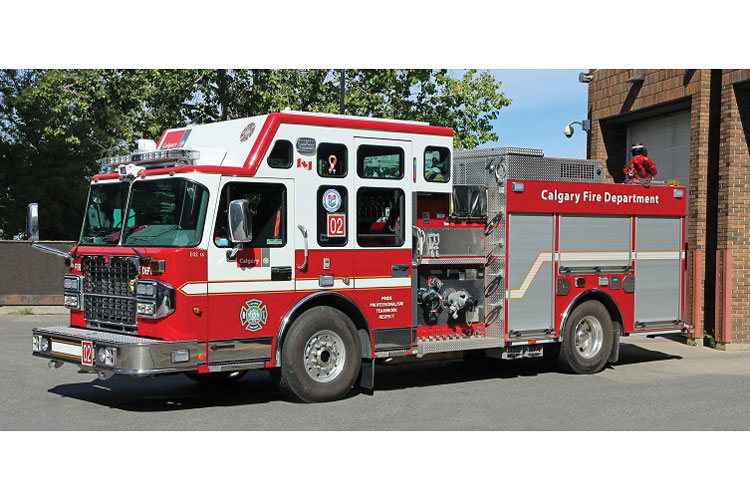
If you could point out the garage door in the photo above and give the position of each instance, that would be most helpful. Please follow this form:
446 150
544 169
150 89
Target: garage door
667 139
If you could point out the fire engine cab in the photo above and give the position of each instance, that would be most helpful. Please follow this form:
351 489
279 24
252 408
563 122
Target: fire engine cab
316 245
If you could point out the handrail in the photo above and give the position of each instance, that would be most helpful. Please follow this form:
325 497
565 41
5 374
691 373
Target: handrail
420 243
304 234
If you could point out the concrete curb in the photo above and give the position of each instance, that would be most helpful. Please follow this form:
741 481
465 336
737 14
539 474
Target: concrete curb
732 347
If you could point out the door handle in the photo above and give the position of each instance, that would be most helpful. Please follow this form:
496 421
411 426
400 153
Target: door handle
304 234
282 273
399 270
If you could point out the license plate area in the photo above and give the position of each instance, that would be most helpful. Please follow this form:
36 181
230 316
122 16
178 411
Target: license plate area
87 353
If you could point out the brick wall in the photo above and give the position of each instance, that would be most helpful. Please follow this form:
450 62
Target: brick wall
614 102
733 224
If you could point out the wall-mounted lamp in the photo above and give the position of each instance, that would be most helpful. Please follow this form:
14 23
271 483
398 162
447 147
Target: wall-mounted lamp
585 126
639 78
585 77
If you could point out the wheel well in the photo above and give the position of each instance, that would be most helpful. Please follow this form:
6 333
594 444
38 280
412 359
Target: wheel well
604 298
329 299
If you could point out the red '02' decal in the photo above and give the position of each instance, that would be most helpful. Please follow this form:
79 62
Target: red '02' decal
87 353
336 225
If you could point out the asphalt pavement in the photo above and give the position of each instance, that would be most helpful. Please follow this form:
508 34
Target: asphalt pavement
658 384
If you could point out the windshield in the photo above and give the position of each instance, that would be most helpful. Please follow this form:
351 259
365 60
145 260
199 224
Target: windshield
167 212
103 220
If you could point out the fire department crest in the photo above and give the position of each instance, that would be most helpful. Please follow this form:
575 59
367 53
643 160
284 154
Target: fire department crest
253 315
247 132
331 200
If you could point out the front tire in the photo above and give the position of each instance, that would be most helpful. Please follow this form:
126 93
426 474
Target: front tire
321 356
587 339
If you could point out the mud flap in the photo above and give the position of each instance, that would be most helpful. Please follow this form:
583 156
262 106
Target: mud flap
367 376
614 354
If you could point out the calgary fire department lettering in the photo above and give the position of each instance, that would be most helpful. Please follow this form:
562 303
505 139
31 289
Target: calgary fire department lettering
590 196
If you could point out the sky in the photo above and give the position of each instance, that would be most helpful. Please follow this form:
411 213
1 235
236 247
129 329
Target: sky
544 101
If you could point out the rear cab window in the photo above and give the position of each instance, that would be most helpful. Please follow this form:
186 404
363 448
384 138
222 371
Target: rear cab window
380 217
437 164
380 162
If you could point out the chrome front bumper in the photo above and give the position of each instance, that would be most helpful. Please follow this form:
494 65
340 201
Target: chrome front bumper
135 355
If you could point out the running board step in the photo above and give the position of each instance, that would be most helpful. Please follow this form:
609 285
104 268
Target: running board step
433 346
233 366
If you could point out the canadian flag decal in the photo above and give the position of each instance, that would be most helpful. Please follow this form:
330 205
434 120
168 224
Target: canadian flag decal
304 164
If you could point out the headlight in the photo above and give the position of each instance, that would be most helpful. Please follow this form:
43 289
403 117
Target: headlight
156 299
145 289
71 301
36 343
44 344
72 283
146 308
106 356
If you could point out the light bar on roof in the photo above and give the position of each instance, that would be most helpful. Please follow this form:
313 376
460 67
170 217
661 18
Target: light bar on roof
149 157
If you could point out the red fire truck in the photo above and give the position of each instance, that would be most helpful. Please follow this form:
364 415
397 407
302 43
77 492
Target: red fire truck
317 245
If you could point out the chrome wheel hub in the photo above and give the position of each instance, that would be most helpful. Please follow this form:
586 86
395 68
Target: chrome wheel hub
589 336
324 356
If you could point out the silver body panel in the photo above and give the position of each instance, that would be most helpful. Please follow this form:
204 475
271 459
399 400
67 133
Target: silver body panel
454 242
658 269
470 166
530 273
594 241
235 351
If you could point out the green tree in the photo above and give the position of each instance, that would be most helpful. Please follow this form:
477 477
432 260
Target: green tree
54 124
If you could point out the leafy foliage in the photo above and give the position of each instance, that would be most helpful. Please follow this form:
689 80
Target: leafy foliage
54 124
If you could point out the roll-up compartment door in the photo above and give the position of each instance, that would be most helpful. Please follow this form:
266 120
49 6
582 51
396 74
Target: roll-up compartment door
658 266
588 242
530 272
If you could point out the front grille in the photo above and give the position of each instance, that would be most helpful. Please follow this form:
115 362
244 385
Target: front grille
109 310
109 278
108 299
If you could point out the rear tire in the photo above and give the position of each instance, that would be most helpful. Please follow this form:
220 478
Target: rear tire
321 357
587 339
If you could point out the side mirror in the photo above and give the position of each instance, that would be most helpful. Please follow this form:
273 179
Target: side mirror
240 222
32 222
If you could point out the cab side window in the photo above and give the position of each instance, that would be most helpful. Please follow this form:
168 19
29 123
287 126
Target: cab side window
332 220
437 164
380 217
281 154
332 160
380 162
267 209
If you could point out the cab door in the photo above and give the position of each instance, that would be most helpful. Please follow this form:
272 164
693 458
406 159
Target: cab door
249 291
